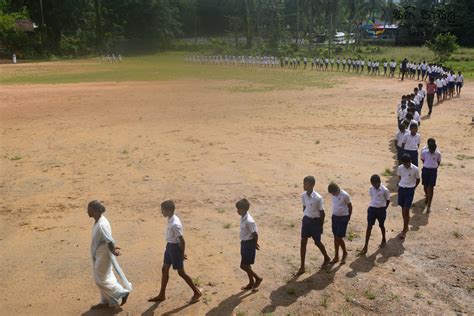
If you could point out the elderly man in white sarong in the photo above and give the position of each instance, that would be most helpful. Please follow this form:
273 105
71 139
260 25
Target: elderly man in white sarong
103 251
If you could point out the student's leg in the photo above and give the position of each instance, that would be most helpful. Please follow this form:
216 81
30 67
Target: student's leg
344 251
368 231
336 250
189 281
430 190
304 242
321 248
165 274
406 219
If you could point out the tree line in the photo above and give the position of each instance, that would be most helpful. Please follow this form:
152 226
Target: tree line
81 27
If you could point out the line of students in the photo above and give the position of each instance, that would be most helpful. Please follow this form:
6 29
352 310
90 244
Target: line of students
104 250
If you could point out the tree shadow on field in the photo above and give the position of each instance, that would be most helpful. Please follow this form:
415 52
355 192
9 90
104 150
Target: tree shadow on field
363 263
392 182
227 306
288 293
103 312
419 218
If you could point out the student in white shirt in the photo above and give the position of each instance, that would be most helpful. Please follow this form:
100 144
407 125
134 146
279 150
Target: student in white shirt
248 244
379 201
174 254
341 215
422 94
313 221
459 83
399 140
409 178
411 143
431 158
439 89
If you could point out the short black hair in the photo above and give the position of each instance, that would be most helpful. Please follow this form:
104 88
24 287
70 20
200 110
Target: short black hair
375 178
96 206
168 205
413 125
405 158
243 205
310 180
333 187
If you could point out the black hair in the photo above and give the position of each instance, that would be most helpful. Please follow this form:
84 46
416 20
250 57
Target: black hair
413 125
409 116
96 206
405 158
333 188
310 180
243 205
401 125
168 205
375 178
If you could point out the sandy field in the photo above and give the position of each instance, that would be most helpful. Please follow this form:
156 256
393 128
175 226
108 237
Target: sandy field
205 145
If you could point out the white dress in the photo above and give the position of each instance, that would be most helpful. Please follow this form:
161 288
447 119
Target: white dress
102 260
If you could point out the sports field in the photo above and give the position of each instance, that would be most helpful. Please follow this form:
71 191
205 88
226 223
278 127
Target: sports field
154 128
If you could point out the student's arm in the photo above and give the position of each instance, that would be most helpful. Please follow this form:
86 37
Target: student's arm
322 218
350 209
114 250
417 182
255 237
182 245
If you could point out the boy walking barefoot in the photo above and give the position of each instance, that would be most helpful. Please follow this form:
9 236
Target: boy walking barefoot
431 158
379 201
248 244
341 214
174 254
313 221
409 178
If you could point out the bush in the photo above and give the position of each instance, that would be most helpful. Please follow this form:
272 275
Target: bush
443 46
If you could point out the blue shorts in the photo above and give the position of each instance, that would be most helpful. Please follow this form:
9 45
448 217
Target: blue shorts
451 85
413 156
439 91
248 250
445 88
459 84
376 213
400 152
311 227
339 225
428 176
405 196
174 256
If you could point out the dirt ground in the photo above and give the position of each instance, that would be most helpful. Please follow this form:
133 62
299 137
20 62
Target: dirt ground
205 145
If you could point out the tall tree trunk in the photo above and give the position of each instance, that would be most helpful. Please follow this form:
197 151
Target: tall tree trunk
248 25
98 25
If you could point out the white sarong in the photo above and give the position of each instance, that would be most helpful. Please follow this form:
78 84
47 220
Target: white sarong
103 260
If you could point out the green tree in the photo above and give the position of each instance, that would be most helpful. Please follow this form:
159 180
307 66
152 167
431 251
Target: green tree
443 46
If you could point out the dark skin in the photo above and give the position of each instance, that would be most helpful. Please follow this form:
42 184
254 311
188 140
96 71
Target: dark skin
165 269
406 210
309 188
375 184
96 214
254 279
339 241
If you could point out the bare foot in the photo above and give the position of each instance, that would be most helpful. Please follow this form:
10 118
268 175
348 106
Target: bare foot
257 284
383 244
326 262
364 250
124 299
343 259
100 306
247 287
335 260
158 298
195 298
299 272
402 235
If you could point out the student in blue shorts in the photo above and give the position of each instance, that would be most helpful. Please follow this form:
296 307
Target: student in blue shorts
313 221
379 201
341 214
174 253
411 142
431 158
409 178
248 244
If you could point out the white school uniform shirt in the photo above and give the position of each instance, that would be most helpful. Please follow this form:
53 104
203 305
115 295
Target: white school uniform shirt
385 65
379 197
402 114
451 78
313 204
460 78
174 230
445 82
430 160
339 204
412 142
247 227
439 83
399 137
422 93
408 176
416 116
423 66
362 63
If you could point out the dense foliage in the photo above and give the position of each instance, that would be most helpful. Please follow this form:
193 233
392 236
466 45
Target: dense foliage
79 27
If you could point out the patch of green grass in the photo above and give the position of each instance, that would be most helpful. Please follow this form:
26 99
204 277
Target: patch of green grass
220 210
371 296
324 301
418 295
317 142
291 291
240 313
125 152
227 225
15 158
457 234
387 172
197 281
463 157
352 235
